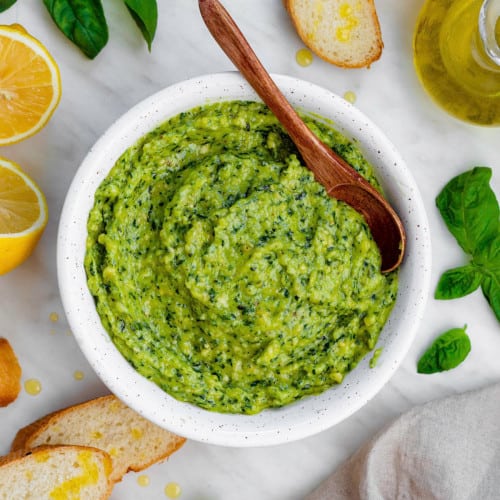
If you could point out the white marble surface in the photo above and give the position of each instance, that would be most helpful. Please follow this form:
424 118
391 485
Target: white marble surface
95 93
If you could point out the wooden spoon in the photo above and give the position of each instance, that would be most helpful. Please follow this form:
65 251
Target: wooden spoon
340 180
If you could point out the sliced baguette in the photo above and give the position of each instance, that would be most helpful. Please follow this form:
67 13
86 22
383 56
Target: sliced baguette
133 442
51 472
10 374
343 32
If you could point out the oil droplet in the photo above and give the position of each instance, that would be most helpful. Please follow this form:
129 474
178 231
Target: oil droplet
32 386
54 317
350 96
343 34
173 490
304 57
345 10
143 480
78 375
136 433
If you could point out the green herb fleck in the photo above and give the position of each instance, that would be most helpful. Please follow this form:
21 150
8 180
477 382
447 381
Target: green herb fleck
376 355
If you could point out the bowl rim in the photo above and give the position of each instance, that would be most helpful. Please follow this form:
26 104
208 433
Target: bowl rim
305 417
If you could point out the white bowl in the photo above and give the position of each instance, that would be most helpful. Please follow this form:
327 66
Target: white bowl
311 414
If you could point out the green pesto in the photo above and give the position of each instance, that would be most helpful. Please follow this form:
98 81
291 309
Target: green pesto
374 359
224 273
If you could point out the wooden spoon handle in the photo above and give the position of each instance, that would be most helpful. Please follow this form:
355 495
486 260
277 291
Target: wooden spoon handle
336 175
229 37
234 44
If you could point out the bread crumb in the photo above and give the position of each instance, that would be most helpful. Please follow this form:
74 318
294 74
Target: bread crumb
10 374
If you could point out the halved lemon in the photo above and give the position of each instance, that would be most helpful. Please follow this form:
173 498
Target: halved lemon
23 215
30 85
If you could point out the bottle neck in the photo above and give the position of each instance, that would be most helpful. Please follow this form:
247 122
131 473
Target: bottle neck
489 29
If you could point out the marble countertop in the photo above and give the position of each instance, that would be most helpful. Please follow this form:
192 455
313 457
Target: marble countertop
95 93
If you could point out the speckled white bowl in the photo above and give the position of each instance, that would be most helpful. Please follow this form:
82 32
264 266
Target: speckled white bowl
303 418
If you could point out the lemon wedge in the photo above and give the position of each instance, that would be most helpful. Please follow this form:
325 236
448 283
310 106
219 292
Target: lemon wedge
23 215
30 85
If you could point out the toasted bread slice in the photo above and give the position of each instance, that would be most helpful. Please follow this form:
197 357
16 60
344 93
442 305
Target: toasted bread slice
133 442
10 374
50 472
343 32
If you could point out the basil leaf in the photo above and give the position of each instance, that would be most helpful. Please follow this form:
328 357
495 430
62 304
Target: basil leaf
490 254
458 282
82 21
491 290
470 209
5 4
446 352
145 15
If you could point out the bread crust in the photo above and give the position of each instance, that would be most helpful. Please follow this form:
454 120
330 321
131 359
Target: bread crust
27 437
17 455
372 55
20 457
10 374
24 434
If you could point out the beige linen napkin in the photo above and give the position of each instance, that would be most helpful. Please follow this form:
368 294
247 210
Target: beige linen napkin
445 450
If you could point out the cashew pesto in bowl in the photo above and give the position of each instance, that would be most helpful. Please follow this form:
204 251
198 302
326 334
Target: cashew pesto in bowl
221 269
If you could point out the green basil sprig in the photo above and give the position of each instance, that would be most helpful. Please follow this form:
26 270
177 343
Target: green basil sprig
145 15
82 21
471 212
446 352
5 4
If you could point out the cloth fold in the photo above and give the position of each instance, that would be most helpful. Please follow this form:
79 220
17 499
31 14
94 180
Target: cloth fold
448 449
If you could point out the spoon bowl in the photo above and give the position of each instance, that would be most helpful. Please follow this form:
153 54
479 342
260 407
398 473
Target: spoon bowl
340 180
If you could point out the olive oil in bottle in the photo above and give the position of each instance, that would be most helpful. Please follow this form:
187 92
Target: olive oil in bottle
455 44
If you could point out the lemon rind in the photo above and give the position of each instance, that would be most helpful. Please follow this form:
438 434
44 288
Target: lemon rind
41 222
39 49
